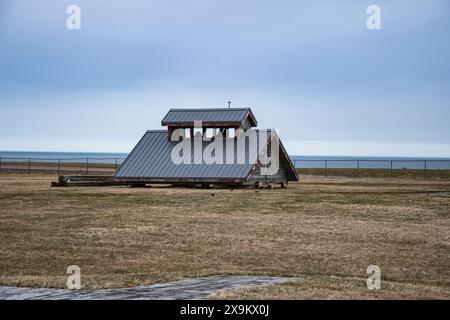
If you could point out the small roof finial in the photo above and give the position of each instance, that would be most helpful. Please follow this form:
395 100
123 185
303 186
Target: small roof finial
229 104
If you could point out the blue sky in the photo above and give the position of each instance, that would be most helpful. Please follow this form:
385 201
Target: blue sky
314 71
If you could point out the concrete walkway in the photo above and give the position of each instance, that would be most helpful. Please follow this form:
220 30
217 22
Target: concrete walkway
178 290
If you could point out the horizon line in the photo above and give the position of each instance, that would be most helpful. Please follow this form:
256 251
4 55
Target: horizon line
351 157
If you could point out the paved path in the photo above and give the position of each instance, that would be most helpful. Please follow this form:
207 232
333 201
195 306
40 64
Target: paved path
177 290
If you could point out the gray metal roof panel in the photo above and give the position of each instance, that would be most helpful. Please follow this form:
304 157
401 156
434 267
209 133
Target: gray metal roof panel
236 115
151 159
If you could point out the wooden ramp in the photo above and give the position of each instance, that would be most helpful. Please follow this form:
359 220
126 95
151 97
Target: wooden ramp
87 181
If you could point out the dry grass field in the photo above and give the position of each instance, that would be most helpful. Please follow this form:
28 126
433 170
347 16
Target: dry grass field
323 231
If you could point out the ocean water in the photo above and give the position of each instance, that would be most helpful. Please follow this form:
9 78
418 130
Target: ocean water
300 161
94 157
343 162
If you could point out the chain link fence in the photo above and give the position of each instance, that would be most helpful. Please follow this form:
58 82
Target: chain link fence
61 165
426 168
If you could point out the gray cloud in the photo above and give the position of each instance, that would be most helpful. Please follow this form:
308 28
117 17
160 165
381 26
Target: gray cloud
326 76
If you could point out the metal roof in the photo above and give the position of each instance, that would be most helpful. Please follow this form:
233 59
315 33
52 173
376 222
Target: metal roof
151 159
208 116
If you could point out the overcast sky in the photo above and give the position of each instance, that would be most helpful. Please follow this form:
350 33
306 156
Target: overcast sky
313 71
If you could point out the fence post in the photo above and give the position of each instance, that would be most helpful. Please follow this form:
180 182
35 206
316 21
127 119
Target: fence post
425 167
59 167
0 164
391 168
29 165
87 165
116 165
358 167
326 168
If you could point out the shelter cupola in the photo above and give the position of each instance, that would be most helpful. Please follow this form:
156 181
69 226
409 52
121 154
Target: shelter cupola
210 120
